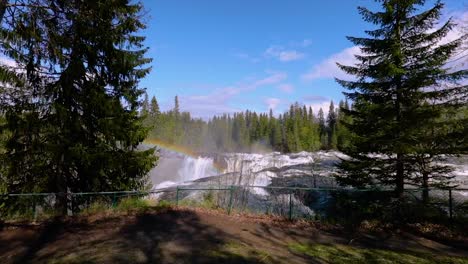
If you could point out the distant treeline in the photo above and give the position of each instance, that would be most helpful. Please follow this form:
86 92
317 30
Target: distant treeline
298 129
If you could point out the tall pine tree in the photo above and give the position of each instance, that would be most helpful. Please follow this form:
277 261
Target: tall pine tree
145 105
74 120
399 94
322 129
331 126
154 107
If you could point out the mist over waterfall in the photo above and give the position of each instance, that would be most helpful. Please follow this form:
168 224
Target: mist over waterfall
196 168
176 169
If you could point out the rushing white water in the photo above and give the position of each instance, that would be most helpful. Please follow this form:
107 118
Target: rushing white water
196 168
178 169
303 169
240 162
246 169
260 169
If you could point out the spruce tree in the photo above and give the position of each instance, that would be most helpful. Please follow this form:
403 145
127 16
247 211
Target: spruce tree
145 106
176 106
401 89
154 107
322 129
331 126
343 134
74 118
177 122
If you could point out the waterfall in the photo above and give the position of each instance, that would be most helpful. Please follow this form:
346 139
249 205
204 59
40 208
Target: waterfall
311 169
196 168
176 169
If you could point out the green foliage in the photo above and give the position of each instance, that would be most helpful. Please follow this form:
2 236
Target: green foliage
294 131
235 252
133 204
208 201
164 204
145 106
352 208
402 89
337 253
72 112
97 207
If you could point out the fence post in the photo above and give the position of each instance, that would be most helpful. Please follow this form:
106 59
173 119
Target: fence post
450 204
114 200
177 196
34 209
231 190
70 208
290 205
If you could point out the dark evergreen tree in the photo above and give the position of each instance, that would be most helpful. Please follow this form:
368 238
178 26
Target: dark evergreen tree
311 115
400 91
322 129
176 106
74 118
331 127
145 105
154 107
343 134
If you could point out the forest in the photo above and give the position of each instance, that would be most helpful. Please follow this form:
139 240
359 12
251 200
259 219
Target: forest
297 130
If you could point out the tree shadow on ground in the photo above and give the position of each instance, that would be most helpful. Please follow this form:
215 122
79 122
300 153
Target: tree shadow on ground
177 237
168 236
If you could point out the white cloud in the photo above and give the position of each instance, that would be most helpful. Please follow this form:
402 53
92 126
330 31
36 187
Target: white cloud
283 55
315 98
286 87
317 102
459 60
274 78
217 102
328 68
325 106
272 103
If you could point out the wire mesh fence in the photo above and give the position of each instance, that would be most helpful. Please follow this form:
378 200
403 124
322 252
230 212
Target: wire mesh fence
288 202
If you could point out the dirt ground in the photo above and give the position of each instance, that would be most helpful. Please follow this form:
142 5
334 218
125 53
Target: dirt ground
184 236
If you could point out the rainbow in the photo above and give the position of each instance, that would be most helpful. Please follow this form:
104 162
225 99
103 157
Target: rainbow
180 149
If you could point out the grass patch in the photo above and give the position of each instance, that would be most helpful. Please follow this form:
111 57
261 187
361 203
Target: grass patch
207 201
346 254
134 204
96 207
127 204
238 251
72 259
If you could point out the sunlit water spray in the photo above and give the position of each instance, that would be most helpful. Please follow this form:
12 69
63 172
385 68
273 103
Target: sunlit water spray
179 165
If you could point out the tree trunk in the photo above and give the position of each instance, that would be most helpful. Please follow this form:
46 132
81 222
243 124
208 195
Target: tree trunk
3 7
399 179
61 205
425 186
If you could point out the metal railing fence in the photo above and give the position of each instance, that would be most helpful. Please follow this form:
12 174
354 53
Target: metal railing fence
288 202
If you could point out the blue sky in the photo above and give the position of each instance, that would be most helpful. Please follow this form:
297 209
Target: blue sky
227 56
